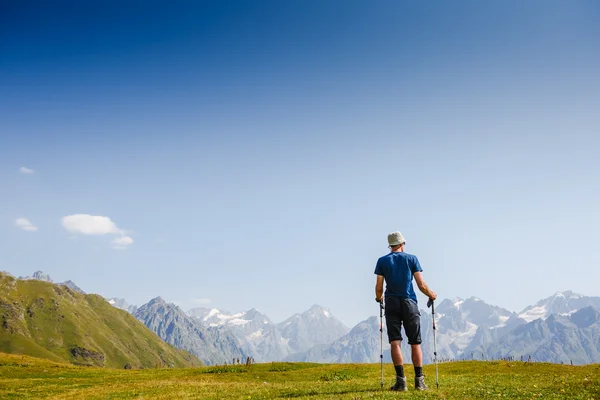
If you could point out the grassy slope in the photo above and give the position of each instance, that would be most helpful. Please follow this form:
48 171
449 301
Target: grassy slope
28 378
45 320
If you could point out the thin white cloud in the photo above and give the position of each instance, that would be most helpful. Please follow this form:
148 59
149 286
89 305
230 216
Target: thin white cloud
86 224
90 225
121 243
24 224
25 170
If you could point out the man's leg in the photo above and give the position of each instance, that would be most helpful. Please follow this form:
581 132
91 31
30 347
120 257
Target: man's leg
398 366
397 357
394 325
417 359
412 325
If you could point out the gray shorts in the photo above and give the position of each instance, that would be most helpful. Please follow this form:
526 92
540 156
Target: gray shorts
400 311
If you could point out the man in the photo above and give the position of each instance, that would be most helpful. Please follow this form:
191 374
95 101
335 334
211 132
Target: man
397 269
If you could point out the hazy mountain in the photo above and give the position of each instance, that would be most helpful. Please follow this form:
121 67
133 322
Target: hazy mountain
71 285
259 337
314 326
122 304
212 345
45 320
41 276
266 341
476 311
360 345
559 338
38 276
485 340
473 329
561 303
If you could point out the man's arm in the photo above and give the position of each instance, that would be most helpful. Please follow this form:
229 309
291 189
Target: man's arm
423 286
379 288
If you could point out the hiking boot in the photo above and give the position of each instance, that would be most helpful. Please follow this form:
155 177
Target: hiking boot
420 383
400 385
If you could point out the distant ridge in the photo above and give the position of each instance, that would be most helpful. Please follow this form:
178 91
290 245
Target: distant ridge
41 276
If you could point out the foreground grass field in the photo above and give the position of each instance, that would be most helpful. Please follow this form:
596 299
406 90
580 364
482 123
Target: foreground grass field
30 378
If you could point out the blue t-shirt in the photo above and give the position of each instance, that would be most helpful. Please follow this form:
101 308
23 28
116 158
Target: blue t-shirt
398 269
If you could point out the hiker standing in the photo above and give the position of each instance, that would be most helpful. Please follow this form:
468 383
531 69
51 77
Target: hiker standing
397 269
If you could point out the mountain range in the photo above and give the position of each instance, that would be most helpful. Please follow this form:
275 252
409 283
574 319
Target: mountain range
212 345
266 341
473 329
561 328
466 329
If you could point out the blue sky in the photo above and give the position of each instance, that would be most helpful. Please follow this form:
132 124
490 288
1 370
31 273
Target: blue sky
256 154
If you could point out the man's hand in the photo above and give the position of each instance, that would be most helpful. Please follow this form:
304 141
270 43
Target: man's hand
432 295
379 300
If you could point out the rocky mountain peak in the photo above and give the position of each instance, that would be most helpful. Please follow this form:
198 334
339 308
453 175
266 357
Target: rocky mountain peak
41 276
38 276
157 301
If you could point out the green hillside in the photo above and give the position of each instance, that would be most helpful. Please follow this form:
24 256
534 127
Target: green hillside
44 320
29 378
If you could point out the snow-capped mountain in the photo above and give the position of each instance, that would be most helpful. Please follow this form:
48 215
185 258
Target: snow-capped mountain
458 322
473 329
122 304
558 338
476 312
216 317
259 336
561 303
314 326
212 345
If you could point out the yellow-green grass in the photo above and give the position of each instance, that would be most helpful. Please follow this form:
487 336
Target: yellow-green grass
23 377
40 319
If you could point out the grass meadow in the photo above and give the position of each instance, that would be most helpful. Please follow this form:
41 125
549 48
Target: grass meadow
24 377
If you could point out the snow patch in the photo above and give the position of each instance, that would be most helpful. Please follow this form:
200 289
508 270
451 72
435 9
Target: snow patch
502 323
462 339
112 302
238 321
326 313
567 314
255 335
457 302
534 313
211 313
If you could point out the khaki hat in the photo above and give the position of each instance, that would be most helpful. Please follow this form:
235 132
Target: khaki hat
395 238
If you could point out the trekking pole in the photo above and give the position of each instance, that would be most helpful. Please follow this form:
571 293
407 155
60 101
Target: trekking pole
381 338
431 304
